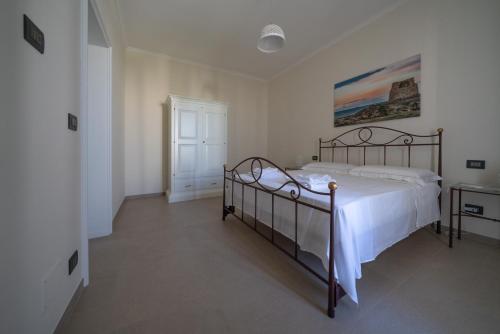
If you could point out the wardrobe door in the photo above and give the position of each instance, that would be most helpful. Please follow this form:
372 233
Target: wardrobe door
213 139
187 137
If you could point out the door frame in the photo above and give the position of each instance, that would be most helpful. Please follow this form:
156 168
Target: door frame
83 124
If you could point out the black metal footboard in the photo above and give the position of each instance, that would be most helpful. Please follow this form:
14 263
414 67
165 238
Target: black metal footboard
292 191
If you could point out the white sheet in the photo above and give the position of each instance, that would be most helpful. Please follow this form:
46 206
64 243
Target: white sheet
370 216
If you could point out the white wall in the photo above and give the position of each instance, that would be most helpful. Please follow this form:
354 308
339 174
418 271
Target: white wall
150 78
458 41
95 33
39 166
112 25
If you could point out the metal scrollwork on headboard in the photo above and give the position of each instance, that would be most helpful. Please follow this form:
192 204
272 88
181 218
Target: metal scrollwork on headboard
365 136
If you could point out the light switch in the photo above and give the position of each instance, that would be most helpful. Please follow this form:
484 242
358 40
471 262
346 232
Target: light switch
72 122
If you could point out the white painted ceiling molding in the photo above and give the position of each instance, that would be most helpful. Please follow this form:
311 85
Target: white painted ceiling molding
221 34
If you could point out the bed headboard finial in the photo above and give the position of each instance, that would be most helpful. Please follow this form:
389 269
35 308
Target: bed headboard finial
332 185
440 130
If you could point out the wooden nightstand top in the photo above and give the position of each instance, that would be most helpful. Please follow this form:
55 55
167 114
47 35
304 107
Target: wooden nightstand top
477 188
293 168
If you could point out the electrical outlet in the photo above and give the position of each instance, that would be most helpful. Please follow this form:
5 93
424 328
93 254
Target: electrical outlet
476 164
474 209
72 262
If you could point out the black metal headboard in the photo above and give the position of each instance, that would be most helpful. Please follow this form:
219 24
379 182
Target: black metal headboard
365 137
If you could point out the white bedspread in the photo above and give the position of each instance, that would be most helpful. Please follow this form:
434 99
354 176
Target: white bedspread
370 216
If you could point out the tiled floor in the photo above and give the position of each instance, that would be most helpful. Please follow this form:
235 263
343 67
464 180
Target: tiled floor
179 269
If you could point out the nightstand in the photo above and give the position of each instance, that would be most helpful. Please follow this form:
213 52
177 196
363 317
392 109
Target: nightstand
293 168
470 188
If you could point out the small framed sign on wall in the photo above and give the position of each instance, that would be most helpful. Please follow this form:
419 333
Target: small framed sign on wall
386 93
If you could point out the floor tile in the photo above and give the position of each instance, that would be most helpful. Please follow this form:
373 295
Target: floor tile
178 268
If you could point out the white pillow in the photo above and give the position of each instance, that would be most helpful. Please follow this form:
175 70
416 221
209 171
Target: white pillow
412 175
329 166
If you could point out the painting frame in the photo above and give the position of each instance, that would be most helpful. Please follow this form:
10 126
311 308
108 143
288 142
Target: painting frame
386 93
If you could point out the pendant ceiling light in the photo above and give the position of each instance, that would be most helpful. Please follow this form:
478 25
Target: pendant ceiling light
272 38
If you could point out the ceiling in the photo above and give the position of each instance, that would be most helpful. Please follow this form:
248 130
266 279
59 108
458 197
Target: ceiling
223 33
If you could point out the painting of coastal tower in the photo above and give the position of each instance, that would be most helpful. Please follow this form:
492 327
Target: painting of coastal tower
386 93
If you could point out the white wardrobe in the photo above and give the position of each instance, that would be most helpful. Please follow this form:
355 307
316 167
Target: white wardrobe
197 148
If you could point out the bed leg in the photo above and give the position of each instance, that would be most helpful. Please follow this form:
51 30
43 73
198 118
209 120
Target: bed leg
332 299
440 173
224 210
332 284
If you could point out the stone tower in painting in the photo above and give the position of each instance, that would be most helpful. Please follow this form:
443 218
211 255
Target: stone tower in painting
404 89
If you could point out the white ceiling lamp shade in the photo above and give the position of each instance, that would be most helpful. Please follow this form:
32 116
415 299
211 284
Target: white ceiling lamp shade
272 39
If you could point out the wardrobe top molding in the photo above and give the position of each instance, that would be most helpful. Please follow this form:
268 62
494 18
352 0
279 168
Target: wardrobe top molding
197 100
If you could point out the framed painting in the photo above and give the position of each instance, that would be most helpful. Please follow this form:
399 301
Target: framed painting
389 92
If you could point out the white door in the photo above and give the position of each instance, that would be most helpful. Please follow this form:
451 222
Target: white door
213 145
99 209
187 120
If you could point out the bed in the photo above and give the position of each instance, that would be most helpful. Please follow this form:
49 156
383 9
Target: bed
365 209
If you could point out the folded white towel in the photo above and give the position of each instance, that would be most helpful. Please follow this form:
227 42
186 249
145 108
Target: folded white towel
314 181
316 178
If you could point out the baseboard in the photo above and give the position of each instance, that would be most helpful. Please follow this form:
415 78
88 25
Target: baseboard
126 198
70 308
115 214
483 239
145 195
192 195
99 234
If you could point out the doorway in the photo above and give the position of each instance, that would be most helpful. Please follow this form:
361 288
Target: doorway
95 130
99 210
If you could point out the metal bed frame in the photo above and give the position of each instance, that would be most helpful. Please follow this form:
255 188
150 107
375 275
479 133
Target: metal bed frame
362 139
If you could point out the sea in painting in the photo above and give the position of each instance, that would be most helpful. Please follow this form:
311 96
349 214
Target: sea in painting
386 93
